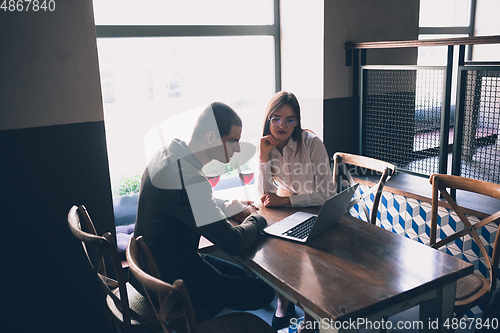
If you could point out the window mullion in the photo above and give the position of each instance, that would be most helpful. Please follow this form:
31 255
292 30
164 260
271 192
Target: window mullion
111 31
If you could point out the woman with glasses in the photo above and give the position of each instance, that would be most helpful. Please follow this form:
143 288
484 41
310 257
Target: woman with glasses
294 166
294 171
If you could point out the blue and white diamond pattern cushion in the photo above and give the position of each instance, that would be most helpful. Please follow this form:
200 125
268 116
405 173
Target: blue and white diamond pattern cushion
411 218
419 216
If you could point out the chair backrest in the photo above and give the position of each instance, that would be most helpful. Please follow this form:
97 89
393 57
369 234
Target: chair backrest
168 295
340 167
97 248
439 185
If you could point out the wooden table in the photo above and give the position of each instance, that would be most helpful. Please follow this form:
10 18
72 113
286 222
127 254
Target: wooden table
357 273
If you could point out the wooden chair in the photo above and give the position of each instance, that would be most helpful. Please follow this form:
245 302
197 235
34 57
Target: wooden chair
129 309
386 170
472 289
172 295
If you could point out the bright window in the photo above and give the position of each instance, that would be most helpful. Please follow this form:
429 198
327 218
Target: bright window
146 81
152 81
445 13
183 12
434 55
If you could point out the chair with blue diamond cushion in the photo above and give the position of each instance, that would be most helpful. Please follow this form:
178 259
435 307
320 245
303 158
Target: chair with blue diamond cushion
472 289
341 161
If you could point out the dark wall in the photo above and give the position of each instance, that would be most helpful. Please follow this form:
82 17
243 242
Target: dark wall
341 126
46 276
52 156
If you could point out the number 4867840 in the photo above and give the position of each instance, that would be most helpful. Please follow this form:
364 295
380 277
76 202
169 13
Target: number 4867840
469 323
28 5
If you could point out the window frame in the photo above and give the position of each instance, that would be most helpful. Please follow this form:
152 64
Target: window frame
138 31
148 31
467 30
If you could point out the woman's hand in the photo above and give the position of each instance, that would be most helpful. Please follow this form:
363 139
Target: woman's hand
267 143
273 200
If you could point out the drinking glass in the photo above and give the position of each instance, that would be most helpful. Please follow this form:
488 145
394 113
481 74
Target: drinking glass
213 178
246 175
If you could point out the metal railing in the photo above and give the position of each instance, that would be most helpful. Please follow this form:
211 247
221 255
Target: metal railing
409 117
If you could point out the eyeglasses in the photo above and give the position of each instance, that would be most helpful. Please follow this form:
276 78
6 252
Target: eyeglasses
289 123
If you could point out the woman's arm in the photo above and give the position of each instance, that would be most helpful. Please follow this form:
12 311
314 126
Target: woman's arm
265 177
324 187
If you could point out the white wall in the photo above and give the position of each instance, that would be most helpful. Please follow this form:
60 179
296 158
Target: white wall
54 77
487 24
302 58
365 21
313 37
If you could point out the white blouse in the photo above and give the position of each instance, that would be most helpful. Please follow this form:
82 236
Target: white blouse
306 175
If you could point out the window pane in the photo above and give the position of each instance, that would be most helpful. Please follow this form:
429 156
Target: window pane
148 82
434 55
183 12
480 144
444 13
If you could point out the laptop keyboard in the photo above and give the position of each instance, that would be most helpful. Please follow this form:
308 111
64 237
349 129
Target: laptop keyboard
301 230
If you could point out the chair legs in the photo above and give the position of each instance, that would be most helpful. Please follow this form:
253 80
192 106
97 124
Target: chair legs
108 325
458 315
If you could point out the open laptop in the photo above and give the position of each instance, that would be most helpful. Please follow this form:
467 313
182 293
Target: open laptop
304 227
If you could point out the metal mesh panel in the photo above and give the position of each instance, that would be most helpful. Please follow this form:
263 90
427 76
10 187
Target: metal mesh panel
480 147
402 117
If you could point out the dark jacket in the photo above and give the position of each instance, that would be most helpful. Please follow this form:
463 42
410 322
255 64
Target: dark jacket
175 207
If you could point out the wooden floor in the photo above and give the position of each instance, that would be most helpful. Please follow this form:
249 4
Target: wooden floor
267 314
409 316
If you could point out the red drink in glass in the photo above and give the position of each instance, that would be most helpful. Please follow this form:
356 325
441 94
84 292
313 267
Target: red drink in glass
246 176
213 178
